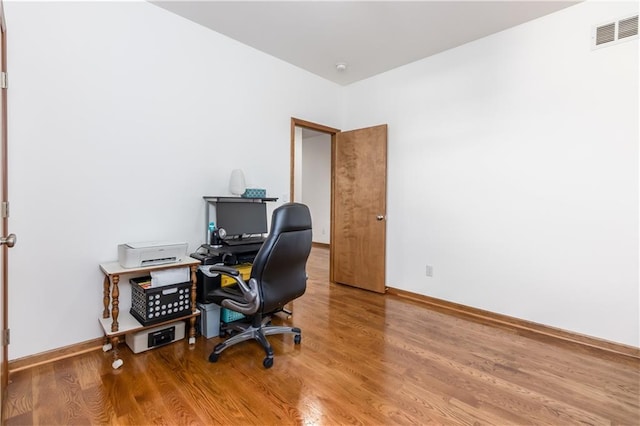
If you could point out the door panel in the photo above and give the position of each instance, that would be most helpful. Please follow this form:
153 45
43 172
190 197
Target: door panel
358 231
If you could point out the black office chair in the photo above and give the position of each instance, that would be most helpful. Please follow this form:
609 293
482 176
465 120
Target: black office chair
278 276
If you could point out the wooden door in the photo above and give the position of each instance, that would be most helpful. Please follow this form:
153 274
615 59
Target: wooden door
359 194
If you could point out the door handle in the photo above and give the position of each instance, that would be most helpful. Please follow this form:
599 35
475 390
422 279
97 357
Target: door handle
10 240
380 217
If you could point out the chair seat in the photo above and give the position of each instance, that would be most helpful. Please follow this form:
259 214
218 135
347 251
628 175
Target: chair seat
229 292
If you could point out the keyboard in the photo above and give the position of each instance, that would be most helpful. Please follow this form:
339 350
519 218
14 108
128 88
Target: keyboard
244 241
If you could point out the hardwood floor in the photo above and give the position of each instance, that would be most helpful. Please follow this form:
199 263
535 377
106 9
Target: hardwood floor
365 358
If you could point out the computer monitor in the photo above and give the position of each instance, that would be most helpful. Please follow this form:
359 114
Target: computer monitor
241 218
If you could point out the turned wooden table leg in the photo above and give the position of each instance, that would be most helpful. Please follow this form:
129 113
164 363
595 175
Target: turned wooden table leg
115 301
106 299
192 330
117 362
192 320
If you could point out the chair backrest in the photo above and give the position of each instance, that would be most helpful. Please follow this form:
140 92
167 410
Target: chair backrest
280 265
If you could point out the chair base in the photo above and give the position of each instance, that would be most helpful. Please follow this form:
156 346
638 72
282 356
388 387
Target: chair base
257 330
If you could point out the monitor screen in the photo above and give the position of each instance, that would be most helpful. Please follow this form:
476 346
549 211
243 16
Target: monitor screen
241 218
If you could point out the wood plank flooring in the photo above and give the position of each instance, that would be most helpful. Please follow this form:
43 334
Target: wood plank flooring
365 359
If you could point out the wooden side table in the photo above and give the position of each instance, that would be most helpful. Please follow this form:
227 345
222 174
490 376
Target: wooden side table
116 323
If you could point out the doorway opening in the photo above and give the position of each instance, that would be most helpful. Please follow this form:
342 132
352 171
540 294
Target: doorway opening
311 174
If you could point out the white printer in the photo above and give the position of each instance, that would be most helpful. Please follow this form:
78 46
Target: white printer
135 255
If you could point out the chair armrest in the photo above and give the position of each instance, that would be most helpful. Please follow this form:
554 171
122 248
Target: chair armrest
251 298
228 270
233 273
250 292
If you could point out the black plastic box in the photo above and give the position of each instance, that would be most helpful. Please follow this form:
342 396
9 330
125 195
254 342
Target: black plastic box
157 304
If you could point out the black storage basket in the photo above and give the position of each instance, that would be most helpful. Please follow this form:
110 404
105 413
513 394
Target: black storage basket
157 304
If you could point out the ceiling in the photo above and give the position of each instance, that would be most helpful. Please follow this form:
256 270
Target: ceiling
370 37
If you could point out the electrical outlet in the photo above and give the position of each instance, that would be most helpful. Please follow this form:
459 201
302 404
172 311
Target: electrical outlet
429 271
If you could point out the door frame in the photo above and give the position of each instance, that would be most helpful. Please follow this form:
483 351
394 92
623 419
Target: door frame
296 122
4 326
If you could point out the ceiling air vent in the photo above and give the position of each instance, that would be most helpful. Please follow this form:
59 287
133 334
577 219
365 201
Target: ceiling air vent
613 32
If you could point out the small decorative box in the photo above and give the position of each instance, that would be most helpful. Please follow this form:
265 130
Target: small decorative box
254 193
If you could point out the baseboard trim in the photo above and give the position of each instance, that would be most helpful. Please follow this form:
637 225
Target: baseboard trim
523 327
321 245
55 355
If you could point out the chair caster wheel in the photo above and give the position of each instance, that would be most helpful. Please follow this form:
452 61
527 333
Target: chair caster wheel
267 362
297 339
213 357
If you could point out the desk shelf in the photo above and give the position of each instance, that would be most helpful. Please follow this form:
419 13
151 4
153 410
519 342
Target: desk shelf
128 324
227 199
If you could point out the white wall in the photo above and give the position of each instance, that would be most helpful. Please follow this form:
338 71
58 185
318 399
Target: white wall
122 116
316 184
513 171
503 174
